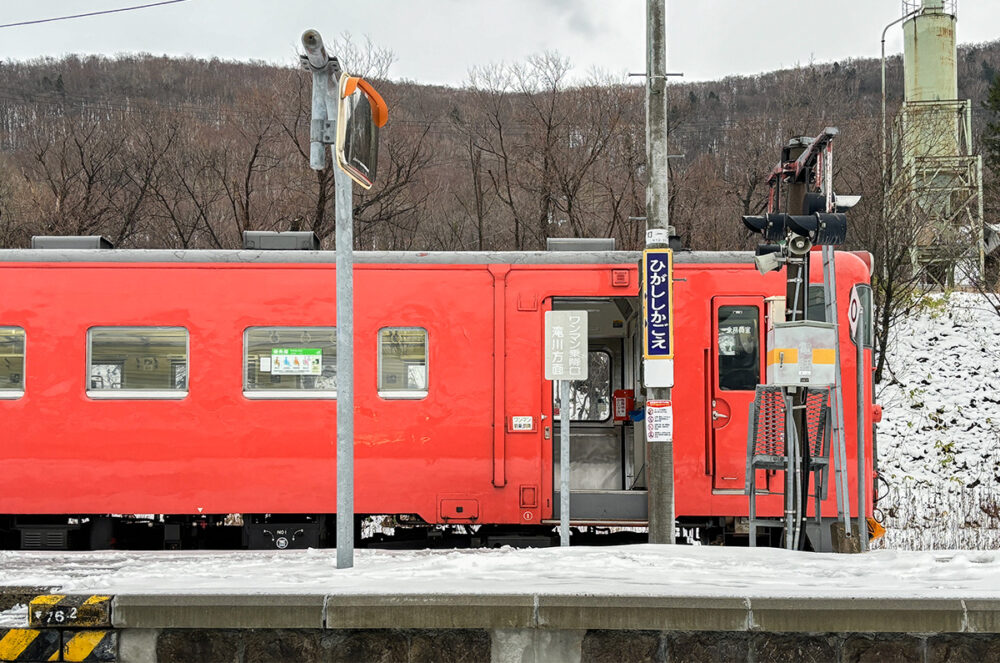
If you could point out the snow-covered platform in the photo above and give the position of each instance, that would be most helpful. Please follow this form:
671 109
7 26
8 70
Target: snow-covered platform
645 602
621 587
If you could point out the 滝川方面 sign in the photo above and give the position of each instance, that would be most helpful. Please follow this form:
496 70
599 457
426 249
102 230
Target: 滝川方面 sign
566 345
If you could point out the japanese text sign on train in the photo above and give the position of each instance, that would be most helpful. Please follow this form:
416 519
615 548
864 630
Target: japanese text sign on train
566 345
657 303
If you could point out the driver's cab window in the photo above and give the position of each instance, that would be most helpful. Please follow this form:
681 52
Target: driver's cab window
739 348
590 399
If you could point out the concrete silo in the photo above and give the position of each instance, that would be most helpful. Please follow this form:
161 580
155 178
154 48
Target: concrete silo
936 178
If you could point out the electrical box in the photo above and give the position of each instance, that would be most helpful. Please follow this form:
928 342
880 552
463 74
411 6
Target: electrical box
801 354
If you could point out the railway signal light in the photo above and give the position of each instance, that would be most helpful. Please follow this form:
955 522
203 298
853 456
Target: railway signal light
771 226
822 229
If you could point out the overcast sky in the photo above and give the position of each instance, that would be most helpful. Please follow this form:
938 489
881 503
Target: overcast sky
436 41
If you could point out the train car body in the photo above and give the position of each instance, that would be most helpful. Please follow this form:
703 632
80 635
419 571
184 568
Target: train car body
198 383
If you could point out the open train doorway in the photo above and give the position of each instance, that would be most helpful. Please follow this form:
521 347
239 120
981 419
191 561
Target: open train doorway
606 483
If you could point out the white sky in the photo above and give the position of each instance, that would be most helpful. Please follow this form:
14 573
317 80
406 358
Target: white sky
436 41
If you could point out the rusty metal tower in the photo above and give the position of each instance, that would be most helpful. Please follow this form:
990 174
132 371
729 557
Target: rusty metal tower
936 181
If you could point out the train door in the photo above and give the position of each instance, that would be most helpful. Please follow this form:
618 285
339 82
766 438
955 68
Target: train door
600 453
737 347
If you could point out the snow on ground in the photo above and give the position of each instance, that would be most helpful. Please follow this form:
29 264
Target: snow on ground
15 617
637 570
939 440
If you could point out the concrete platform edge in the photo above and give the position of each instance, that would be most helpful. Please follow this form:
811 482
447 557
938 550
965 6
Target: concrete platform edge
554 612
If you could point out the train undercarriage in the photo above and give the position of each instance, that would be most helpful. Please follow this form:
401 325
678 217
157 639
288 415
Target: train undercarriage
299 531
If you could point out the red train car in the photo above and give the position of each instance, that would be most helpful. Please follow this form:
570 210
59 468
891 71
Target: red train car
199 387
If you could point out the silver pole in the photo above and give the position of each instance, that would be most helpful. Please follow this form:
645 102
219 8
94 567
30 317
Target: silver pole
325 97
791 499
659 455
318 62
862 474
837 393
565 414
345 369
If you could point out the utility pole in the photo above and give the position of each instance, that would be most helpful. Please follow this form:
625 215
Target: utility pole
658 372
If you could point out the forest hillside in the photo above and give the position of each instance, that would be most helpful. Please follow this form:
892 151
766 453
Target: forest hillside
162 152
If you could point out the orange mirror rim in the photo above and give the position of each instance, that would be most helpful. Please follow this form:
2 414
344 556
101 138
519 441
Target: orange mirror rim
380 112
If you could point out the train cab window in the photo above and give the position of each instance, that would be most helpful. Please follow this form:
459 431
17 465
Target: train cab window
137 362
290 362
11 362
402 362
816 304
590 399
739 348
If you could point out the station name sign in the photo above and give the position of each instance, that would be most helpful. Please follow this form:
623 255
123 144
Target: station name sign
657 303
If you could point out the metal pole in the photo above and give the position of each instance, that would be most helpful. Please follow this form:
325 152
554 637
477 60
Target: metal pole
318 63
659 455
791 445
325 98
345 369
862 473
837 393
565 414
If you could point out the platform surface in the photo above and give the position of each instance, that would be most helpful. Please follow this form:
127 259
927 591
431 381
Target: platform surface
620 587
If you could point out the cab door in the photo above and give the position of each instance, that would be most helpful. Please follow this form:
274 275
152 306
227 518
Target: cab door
737 348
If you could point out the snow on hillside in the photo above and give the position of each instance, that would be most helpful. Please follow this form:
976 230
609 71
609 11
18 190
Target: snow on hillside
939 440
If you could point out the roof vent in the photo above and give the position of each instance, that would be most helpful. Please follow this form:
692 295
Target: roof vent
70 242
268 240
580 243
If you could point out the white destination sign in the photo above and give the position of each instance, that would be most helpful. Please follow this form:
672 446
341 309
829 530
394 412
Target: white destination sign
566 345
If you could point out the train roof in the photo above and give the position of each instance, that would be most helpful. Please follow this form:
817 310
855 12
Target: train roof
363 257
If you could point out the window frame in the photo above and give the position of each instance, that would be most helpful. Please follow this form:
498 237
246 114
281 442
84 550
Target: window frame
403 394
10 394
284 394
761 371
602 349
137 394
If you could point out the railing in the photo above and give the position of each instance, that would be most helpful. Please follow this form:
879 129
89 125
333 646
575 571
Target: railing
947 6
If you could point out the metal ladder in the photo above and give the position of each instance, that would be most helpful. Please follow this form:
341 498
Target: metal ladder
767 449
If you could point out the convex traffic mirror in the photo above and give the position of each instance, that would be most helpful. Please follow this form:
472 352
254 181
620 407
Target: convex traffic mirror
361 112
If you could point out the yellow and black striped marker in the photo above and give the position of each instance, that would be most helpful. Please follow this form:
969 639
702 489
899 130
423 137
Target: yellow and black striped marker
69 611
89 646
29 644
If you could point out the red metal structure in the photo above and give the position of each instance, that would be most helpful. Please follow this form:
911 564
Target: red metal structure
474 446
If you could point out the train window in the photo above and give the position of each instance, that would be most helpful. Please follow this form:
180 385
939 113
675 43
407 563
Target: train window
590 399
290 362
137 362
11 362
402 362
739 348
816 304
